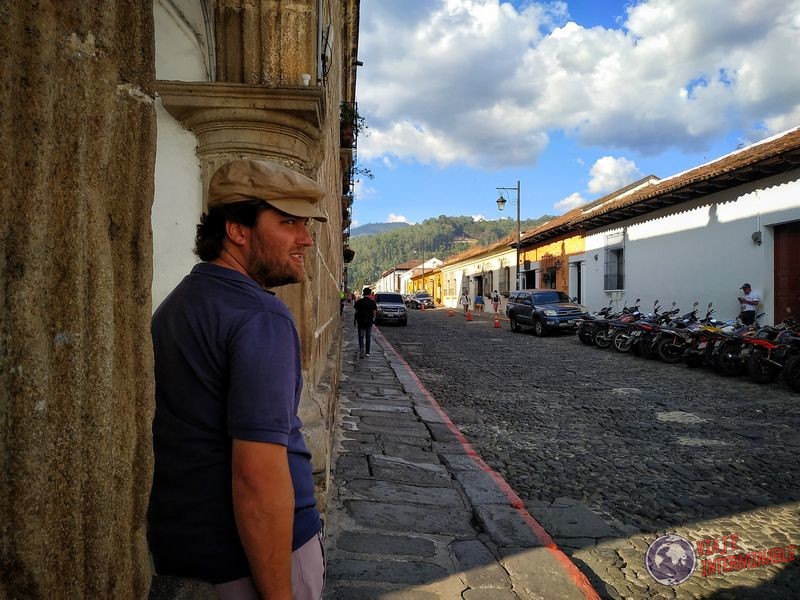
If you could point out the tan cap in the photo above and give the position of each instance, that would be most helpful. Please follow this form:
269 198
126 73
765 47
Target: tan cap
288 191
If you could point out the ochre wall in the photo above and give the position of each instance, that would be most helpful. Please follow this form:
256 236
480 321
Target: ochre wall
78 128
561 248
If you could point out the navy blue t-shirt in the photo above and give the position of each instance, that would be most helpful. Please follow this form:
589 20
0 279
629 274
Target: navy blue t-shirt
227 365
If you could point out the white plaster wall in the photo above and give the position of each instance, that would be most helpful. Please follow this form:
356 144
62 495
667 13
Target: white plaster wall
387 283
577 269
178 185
462 271
177 204
181 45
700 250
405 281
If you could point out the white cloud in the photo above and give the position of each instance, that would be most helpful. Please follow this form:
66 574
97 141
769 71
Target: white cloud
393 218
483 83
781 123
570 202
363 191
479 218
609 174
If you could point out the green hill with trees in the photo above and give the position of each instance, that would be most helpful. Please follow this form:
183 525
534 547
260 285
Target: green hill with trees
441 237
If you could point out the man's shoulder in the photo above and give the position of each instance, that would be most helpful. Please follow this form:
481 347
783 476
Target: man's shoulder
227 295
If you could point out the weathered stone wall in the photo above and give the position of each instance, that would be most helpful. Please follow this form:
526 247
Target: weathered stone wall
265 42
78 130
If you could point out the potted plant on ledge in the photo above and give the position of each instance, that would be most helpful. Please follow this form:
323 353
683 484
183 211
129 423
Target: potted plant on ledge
350 124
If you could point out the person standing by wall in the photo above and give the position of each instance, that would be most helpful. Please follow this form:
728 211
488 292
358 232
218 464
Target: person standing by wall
365 311
749 303
233 501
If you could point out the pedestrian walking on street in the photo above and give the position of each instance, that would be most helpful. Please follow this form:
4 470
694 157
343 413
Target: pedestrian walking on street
495 302
479 303
365 311
465 301
232 501
748 303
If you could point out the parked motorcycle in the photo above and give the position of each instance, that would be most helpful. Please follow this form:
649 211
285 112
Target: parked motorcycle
769 351
791 370
639 335
702 337
671 341
585 326
726 352
601 334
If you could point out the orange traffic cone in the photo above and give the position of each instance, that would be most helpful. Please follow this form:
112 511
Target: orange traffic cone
450 313
469 315
496 321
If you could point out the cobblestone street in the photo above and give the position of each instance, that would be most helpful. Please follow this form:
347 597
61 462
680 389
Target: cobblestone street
610 451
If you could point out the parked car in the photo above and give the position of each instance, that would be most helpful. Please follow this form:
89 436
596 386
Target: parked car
544 310
420 299
391 308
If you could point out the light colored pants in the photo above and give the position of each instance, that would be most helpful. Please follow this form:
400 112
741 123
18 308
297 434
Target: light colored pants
308 576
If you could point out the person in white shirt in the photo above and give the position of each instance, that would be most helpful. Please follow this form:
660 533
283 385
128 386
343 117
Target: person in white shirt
749 302
465 301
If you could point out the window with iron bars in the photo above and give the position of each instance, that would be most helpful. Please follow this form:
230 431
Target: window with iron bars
615 262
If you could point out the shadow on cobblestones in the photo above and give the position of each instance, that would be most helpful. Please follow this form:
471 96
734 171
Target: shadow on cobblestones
609 451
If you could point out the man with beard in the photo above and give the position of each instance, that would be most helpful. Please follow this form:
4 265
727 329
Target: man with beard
233 495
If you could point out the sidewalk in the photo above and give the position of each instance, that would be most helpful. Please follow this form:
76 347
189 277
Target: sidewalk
414 513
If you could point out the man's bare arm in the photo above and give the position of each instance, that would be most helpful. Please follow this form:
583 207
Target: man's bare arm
263 503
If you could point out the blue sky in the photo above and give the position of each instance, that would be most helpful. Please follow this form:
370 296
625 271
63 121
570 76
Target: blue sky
574 99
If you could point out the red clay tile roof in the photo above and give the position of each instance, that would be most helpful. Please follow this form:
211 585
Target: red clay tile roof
769 157
775 155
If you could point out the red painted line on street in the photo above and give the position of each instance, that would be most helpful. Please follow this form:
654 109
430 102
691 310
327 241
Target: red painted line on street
578 578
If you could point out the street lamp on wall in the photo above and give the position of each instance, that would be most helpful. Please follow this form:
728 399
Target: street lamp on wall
501 204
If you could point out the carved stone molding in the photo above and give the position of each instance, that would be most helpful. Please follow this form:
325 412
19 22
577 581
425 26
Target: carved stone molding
231 119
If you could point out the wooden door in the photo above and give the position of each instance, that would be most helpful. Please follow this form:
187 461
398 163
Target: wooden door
787 269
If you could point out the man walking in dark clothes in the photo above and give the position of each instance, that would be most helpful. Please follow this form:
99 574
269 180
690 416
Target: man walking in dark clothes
364 317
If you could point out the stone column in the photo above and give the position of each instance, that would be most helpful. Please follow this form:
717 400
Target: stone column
76 395
265 42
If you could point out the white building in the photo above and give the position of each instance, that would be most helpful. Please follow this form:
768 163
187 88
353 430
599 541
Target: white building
701 234
479 271
393 279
